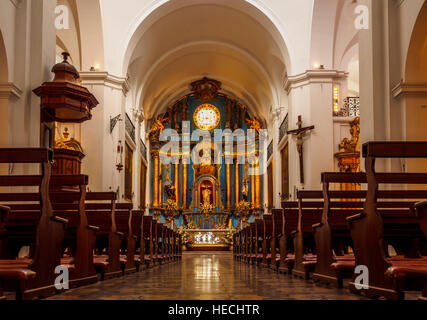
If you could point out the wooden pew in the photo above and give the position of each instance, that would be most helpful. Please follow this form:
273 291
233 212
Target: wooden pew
268 246
40 228
332 236
154 239
124 220
245 239
179 245
101 212
80 237
310 207
3 214
252 243
147 241
137 226
289 219
279 239
159 243
259 243
388 277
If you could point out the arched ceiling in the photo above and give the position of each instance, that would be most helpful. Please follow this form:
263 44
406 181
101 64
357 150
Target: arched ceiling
4 77
213 40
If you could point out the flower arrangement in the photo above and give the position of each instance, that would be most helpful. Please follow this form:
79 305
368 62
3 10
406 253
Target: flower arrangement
242 209
186 236
227 238
206 208
171 209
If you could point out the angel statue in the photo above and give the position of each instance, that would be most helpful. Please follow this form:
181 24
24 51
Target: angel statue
253 124
170 191
158 126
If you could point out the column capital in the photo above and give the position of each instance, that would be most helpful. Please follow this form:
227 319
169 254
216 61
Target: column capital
106 79
138 115
317 76
9 89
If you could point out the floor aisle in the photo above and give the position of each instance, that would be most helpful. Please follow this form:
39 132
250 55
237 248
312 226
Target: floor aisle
206 276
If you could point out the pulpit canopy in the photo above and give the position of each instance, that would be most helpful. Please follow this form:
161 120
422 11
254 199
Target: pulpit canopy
63 99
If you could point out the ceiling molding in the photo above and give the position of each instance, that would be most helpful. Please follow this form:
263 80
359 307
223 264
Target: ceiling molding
16 3
313 77
104 78
9 89
406 88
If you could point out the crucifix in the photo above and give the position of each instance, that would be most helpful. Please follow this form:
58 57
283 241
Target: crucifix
299 133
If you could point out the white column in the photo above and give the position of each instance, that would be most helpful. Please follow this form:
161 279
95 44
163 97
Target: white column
99 144
311 96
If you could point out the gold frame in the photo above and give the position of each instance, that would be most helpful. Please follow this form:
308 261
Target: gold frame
204 127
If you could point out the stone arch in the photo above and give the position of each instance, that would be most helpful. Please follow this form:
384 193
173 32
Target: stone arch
414 89
4 98
218 49
4 69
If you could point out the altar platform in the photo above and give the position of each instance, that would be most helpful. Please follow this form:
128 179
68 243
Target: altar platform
208 240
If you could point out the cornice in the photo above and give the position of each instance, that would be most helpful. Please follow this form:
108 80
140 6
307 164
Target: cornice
106 79
313 77
406 88
9 89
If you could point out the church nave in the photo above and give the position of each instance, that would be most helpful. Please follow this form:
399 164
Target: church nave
207 276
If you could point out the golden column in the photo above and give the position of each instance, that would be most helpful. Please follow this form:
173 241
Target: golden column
257 187
160 184
155 155
184 184
176 178
237 184
228 179
253 188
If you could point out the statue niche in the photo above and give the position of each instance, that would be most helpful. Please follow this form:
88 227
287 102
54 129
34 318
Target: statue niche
207 191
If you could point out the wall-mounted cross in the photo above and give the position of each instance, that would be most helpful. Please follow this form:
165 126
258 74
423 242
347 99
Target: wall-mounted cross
299 133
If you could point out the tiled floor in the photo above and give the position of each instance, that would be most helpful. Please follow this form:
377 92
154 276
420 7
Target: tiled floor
207 276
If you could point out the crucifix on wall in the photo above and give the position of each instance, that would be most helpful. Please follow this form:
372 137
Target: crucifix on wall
299 133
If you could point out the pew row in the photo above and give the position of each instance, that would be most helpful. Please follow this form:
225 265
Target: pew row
32 276
388 277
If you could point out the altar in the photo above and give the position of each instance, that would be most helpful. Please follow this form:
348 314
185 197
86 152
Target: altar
208 232
203 186
208 240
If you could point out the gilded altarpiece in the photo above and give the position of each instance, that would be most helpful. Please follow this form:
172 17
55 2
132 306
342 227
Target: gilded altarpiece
211 179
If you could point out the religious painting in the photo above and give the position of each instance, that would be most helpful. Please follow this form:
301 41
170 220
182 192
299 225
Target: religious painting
207 117
270 186
142 181
285 172
128 172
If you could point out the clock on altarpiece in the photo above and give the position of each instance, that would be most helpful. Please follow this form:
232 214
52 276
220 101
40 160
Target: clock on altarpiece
207 117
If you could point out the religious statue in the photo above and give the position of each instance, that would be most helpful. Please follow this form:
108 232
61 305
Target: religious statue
299 133
158 126
245 190
253 124
349 153
206 193
170 191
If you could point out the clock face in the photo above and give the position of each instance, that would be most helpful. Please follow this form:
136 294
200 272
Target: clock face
206 117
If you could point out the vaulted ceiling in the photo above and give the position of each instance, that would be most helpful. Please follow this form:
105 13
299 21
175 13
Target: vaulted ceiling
235 45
